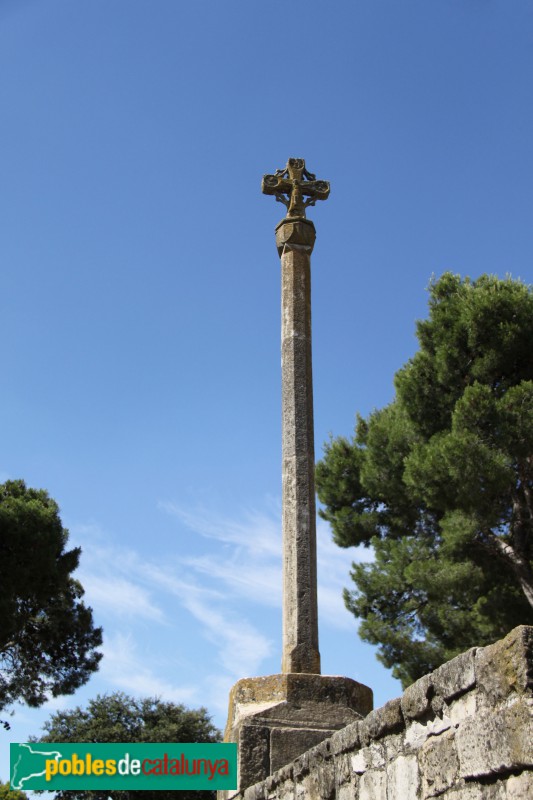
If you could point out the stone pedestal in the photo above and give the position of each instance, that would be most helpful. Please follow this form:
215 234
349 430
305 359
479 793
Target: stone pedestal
276 718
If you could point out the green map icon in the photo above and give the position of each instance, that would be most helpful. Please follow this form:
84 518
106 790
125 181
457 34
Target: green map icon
28 763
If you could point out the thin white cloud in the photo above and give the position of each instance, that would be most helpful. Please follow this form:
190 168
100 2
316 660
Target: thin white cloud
255 530
246 578
111 594
241 648
123 667
239 645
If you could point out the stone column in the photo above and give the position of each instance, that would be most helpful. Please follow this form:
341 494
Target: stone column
277 717
295 240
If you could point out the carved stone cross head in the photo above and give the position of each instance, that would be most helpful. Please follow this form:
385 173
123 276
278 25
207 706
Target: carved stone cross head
292 184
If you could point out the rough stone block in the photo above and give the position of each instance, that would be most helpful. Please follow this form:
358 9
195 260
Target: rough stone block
394 744
520 787
463 707
371 757
439 764
326 781
456 676
506 666
358 762
496 741
286 744
300 792
418 732
285 773
253 754
346 739
256 792
286 790
320 783
475 791
364 733
322 751
384 720
403 779
346 792
373 785
416 700
300 766
343 769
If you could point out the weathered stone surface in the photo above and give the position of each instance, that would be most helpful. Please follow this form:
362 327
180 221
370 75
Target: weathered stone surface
456 676
346 739
439 764
418 732
288 743
359 762
519 787
403 779
371 757
506 666
300 615
320 783
331 690
387 719
394 744
346 792
373 785
496 741
301 765
474 791
322 751
326 781
285 773
256 792
294 234
253 754
463 707
285 790
416 700
343 769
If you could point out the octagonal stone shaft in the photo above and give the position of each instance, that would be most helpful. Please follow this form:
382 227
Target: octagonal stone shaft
295 240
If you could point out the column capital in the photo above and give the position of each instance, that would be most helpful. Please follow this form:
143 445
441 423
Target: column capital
295 234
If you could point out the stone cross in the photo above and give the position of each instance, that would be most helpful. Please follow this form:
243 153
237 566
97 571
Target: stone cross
289 187
295 237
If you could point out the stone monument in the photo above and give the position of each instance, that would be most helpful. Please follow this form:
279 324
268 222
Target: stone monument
276 718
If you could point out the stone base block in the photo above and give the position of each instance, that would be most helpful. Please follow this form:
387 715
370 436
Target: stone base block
277 718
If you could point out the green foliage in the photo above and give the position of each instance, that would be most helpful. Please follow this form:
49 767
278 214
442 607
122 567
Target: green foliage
47 635
11 794
440 483
120 718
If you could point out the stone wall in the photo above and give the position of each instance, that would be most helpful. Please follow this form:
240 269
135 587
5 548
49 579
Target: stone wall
464 732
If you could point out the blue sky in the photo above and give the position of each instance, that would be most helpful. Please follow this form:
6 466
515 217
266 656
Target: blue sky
139 308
